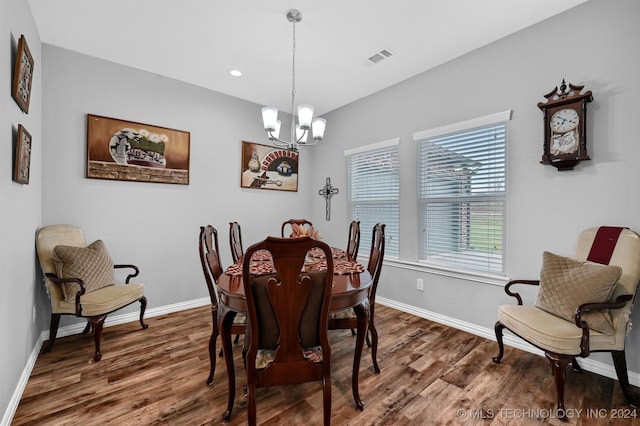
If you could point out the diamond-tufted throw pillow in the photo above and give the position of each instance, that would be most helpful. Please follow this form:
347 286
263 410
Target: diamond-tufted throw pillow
92 264
567 283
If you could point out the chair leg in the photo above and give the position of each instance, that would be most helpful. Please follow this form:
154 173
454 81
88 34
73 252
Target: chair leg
498 328
576 367
326 400
143 307
374 344
87 327
559 365
620 363
53 332
97 323
212 354
252 417
215 331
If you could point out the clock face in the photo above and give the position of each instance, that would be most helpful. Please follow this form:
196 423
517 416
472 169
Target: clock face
564 120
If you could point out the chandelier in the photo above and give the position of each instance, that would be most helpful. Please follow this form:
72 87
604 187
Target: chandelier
306 123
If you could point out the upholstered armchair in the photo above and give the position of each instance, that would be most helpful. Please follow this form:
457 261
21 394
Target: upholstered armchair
582 306
80 281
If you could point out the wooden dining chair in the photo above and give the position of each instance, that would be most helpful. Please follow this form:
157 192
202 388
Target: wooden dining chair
212 269
353 243
347 320
289 224
235 241
287 320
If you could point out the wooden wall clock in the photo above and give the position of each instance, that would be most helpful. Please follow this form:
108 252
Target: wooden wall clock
565 126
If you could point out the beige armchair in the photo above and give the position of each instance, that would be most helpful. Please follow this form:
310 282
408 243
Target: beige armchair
80 280
583 305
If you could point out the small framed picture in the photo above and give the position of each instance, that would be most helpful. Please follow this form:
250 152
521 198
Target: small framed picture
23 156
22 75
268 167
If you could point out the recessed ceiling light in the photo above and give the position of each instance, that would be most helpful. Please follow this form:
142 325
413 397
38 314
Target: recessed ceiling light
235 73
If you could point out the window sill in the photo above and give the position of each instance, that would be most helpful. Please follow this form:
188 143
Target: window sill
447 272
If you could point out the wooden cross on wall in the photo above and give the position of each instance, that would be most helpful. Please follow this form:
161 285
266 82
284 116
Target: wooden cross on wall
327 192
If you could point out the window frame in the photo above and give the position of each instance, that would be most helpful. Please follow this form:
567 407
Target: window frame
419 137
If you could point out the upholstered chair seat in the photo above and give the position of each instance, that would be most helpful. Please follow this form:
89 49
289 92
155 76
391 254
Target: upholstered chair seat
105 299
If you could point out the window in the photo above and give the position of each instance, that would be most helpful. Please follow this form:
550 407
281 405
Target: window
373 184
461 187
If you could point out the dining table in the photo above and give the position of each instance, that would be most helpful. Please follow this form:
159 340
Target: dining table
351 283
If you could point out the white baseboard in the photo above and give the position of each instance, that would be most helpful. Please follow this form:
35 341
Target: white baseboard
588 364
77 328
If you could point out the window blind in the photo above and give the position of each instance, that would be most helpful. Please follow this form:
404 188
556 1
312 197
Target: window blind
462 198
374 191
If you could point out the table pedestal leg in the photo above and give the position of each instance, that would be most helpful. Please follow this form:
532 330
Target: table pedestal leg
362 313
225 335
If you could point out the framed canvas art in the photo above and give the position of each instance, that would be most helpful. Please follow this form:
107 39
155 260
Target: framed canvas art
125 150
23 156
268 167
22 75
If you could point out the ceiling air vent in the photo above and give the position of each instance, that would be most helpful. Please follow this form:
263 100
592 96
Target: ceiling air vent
380 56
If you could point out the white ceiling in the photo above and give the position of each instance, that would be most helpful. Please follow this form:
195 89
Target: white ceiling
199 41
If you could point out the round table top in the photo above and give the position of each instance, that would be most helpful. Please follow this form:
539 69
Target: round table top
349 290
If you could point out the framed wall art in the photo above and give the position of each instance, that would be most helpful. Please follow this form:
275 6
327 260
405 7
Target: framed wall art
268 167
22 75
125 150
23 156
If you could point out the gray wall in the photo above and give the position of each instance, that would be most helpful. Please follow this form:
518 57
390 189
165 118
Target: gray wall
154 225
20 205
546 209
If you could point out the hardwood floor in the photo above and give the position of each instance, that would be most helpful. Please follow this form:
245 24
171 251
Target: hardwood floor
431 374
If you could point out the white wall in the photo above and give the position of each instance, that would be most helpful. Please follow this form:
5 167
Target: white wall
19 204
594 44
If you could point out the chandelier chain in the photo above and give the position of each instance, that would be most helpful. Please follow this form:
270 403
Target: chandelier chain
293 86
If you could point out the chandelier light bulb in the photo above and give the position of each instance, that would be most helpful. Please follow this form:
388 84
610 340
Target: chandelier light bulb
269 118
305 115
317 127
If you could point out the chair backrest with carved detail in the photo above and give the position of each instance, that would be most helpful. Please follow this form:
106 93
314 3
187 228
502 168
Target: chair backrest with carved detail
210 260
235 241
288 318
289 223
376 256
353 243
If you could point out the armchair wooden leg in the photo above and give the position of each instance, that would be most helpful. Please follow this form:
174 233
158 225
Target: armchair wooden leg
559 365
53 332
498 328
87 327
143 307
620 363
97 323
